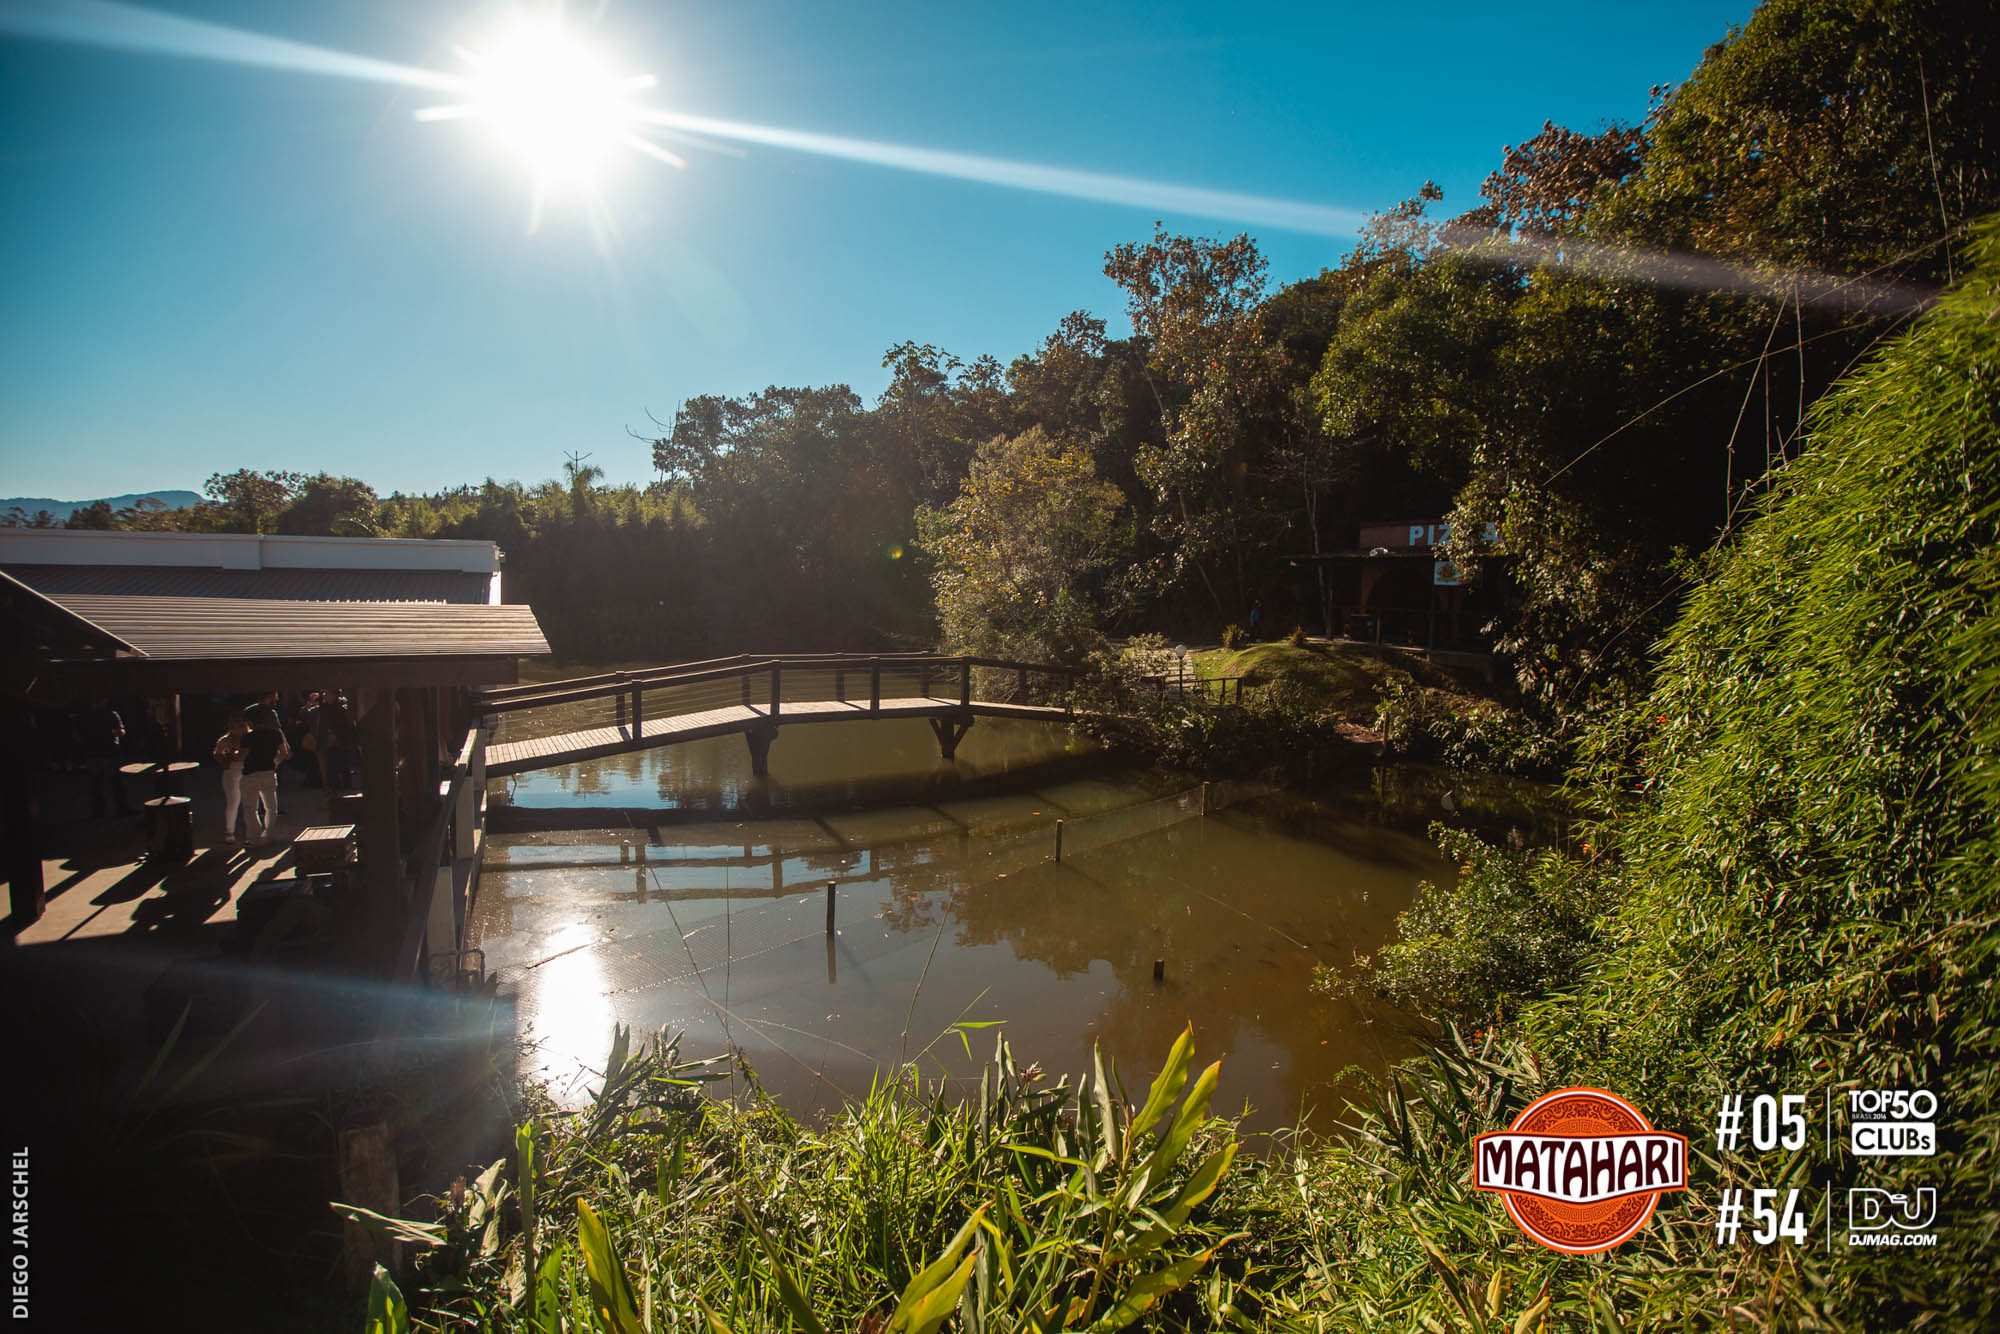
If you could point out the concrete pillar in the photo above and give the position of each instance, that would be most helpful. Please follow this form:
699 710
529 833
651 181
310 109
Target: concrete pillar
381 825
441 931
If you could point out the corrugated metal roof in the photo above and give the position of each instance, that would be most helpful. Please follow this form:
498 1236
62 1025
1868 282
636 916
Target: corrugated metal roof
193 581
48 624
250 629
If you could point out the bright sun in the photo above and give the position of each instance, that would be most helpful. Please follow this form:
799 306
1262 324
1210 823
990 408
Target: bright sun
552 105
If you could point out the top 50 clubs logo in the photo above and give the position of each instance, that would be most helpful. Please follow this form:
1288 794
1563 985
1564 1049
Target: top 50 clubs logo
1580 1170
1884 1123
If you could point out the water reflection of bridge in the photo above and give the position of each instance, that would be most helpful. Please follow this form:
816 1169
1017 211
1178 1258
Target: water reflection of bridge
563 722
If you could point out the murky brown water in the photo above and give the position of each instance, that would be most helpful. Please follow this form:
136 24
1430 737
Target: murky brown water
696 920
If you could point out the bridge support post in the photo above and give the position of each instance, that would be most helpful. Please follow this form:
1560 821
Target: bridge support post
760 740
949 732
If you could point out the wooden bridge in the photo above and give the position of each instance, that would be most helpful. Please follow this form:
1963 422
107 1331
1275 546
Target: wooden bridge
593 716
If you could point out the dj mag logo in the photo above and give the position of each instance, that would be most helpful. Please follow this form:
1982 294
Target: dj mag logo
1580 1170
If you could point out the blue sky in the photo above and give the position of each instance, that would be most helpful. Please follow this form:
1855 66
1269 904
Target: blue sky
212 265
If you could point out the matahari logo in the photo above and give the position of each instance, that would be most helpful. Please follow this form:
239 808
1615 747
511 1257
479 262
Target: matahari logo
1580 1170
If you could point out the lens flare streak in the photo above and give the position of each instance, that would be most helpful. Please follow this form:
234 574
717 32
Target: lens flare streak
554 104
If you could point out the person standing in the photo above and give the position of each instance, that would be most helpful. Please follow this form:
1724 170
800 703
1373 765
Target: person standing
99 731
231 748
335 721
305 726
264 713
264 750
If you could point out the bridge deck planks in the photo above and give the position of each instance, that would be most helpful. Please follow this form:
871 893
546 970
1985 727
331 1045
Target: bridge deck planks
512 757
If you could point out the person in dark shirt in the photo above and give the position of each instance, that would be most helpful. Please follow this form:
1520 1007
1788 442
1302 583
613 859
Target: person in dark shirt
264 749
336 741
264 713
305 730
99 731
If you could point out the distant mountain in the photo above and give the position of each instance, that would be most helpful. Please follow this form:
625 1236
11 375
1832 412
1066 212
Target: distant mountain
61 509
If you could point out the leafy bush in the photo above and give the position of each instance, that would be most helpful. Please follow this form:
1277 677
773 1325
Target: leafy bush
1234 636
1420 722
1297 638
1516 925
1120 708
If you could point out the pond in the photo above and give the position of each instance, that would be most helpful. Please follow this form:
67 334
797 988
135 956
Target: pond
671 889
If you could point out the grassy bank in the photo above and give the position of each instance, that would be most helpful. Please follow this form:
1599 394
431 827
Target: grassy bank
1315 703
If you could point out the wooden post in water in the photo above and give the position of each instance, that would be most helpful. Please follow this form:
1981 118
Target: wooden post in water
1159 971
1059 825
875 686
760 750
829 907
638 712
367 1164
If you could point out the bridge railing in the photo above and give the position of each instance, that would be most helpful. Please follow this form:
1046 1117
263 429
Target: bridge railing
1205 689
767 683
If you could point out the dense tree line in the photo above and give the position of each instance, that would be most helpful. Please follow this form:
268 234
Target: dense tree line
1608 356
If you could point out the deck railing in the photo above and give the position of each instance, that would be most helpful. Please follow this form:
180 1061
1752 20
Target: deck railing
442 870
768 681
1219 690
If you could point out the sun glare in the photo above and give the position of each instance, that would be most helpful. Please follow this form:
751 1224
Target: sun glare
552 105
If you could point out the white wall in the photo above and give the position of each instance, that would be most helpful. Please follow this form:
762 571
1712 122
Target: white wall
236 551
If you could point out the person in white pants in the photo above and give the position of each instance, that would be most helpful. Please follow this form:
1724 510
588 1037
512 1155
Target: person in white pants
264 750
230 748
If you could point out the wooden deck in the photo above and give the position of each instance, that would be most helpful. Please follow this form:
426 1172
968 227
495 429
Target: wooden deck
513 757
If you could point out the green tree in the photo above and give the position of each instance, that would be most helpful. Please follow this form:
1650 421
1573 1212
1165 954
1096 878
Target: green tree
246 501
1023 560
1194 302
327 506
1834 135
97 515
933 412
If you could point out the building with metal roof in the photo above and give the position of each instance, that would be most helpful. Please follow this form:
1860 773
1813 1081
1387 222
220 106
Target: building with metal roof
404 629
